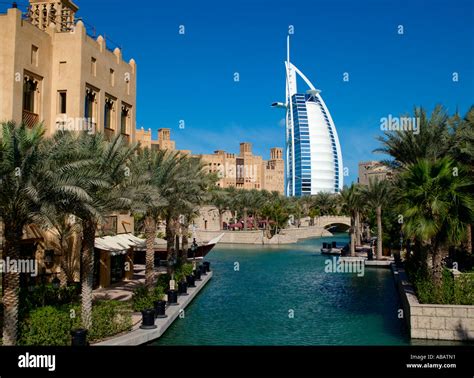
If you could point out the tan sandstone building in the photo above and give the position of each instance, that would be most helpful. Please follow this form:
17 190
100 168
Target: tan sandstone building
246 170
52 71
373 170
243 171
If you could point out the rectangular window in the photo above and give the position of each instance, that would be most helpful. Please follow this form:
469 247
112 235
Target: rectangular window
29 95
62 101
93 66
109 113
34 55
91 106
125 117
62 68
112 77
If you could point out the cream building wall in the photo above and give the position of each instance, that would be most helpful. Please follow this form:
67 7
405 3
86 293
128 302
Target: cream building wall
373 170
243 171
59 56
50 49
163 142
247 171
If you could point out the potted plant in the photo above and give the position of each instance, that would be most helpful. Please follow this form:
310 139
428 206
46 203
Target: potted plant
159 303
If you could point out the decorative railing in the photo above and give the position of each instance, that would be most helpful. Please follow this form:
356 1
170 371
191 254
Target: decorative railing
30 119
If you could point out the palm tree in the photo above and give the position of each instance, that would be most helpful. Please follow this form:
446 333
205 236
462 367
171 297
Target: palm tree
431 142
378 195
244 198
220 200
186 189
28 186
257 199
437 204
351 203
105 181
194 194
151 171
463 151
296 209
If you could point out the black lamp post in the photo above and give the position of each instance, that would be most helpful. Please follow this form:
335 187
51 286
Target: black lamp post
31 286
193 250
56 282
49 257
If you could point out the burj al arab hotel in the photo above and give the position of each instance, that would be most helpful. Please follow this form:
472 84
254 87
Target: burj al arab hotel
313 152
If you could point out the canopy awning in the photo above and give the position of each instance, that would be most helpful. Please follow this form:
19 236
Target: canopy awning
120 244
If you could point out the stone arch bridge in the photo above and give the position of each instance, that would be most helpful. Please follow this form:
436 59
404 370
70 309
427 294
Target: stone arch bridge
328 221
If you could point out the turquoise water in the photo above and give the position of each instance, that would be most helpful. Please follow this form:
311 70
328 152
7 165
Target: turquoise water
253 306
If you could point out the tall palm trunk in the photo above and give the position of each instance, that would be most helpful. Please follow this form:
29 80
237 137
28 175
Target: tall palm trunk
357 228
63 277
150 233
169 235
185 239
220 219
170 243
245 219
11 286
469 239
378 212
183 255
437 259
352 233
87 272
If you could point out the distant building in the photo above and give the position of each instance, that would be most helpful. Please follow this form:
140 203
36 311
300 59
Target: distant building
373 170
247 171
164 141
313 155
53 72
243 171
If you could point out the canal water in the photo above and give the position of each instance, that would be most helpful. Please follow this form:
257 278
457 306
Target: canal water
281 295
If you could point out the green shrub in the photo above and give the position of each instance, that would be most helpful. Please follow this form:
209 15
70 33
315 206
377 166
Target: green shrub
144 299
458 291
187 269
163 281
46 326
51 326
46 295
183 271
464 289
109 318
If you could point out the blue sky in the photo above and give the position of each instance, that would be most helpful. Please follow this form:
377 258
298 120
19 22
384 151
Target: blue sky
190 77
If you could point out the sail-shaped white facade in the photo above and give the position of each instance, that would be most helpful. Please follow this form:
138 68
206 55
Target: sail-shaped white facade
313 153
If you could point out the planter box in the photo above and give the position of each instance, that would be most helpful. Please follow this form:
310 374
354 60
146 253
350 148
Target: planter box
433 321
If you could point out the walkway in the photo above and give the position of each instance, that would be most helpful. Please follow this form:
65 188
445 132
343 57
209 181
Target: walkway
140 336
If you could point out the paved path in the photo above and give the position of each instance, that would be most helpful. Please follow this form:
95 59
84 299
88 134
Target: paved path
123 290
140 336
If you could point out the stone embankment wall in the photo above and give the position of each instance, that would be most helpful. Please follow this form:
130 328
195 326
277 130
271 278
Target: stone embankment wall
430 321
287 236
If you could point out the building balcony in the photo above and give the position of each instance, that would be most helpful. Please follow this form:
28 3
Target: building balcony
30 119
